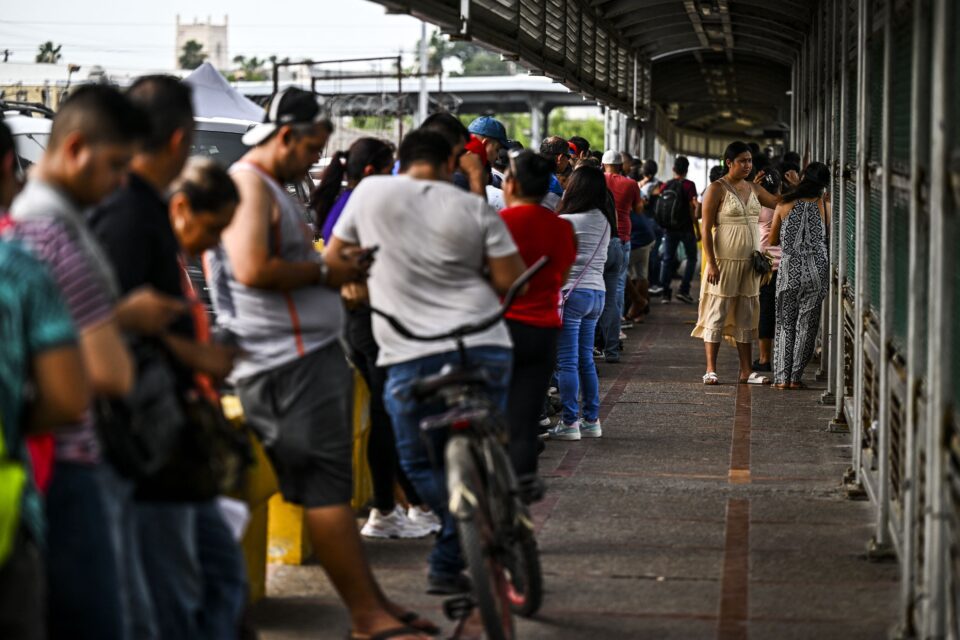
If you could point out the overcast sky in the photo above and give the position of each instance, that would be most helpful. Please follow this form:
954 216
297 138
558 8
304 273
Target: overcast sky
141 35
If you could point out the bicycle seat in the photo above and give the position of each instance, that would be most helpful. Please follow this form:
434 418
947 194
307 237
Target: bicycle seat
430 385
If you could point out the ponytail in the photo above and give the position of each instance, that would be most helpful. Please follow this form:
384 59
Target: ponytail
325 195
351 165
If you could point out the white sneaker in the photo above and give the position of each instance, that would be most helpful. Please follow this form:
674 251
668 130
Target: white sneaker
391 525
396 524
590 429
564 431
426 521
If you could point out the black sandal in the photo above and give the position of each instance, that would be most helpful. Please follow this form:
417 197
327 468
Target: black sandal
412 616
396 632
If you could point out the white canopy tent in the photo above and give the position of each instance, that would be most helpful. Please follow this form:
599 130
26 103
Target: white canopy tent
213 97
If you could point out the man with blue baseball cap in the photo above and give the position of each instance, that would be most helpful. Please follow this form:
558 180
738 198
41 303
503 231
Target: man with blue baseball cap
492 132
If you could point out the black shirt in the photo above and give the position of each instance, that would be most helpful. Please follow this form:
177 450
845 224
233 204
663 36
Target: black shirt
133 226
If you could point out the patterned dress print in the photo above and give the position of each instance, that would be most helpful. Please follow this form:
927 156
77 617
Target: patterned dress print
802 285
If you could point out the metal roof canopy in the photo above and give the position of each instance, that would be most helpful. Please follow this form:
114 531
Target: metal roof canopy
714 66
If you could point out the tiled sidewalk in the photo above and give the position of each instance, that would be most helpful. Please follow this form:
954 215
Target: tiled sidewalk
703 512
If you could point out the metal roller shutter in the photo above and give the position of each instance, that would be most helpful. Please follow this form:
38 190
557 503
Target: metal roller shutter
850 228
901 266
900 89
871 261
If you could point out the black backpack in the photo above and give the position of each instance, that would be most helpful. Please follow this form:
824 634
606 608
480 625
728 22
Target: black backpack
672 209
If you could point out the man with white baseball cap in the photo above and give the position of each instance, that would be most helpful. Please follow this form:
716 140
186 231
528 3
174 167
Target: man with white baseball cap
281 301
626 199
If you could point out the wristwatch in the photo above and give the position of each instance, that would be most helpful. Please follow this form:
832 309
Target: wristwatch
323 271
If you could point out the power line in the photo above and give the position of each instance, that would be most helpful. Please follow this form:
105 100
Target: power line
299 25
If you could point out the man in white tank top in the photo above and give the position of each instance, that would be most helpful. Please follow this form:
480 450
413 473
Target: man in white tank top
281 301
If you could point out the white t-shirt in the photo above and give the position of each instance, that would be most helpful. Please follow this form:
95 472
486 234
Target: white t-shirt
434 240
495 198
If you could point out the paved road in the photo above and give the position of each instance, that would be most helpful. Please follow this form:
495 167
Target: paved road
703 512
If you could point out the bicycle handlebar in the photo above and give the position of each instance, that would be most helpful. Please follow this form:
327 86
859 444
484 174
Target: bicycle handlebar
470 329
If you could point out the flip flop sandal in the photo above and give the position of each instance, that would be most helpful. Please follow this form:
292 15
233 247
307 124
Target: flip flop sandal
798 386
781 387
755 378
710 379
427 627
387 634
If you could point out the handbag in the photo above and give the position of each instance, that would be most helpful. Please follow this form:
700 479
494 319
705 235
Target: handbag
566 294
210 459
761 262
140 431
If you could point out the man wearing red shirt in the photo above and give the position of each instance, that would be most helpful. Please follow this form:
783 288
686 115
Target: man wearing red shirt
626 200
533 320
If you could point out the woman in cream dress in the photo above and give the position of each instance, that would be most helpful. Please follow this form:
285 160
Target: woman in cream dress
730 295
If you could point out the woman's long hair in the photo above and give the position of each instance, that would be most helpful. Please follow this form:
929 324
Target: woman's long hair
813 182
587 190
350 164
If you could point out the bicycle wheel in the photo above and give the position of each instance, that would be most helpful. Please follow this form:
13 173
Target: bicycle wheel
525 584
522 557
490 585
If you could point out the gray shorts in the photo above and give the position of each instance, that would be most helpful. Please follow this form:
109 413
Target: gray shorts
640 262
302 412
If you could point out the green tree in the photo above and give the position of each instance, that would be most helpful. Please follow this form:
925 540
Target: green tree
192 55
253 69
560 124
476 60
49 53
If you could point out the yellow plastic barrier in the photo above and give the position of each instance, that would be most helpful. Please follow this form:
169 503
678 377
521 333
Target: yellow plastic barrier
277 531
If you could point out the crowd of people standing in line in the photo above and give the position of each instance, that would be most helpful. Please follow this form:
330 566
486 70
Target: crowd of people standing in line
105 334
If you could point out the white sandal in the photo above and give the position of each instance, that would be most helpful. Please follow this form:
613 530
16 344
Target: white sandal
710 378
756 378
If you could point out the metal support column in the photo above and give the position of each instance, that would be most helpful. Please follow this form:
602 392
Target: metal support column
839 422
536 124
861 282
882 538
819 153
794 135
919 127
831 157
942 261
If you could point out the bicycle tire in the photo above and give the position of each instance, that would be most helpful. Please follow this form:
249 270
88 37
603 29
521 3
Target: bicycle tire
489 583
525 580
490 588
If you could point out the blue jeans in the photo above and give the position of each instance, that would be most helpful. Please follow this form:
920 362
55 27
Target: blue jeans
136 607
418 454
82 580
194 569
672 240
610 317
622 282
576 372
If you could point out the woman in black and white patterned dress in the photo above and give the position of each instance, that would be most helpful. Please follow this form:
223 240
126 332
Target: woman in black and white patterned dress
800 228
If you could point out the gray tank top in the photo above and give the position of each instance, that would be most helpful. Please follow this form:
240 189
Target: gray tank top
274 327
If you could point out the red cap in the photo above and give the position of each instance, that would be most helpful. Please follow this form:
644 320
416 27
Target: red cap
476 146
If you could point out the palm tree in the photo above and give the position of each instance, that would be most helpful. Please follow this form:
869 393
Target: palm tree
49 53
192 56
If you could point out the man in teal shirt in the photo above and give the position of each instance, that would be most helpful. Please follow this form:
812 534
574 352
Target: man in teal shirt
43 386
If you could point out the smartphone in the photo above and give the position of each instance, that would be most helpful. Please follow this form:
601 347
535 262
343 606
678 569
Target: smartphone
366 256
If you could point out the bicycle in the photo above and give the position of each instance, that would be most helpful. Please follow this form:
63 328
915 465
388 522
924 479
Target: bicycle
494 524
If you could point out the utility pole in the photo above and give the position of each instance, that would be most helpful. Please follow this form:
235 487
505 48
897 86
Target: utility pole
424 98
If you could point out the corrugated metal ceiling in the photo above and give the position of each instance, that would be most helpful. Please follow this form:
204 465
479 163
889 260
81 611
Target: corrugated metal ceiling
717 66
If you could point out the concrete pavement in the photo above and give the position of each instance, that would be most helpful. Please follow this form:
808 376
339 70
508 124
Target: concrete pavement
703 512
